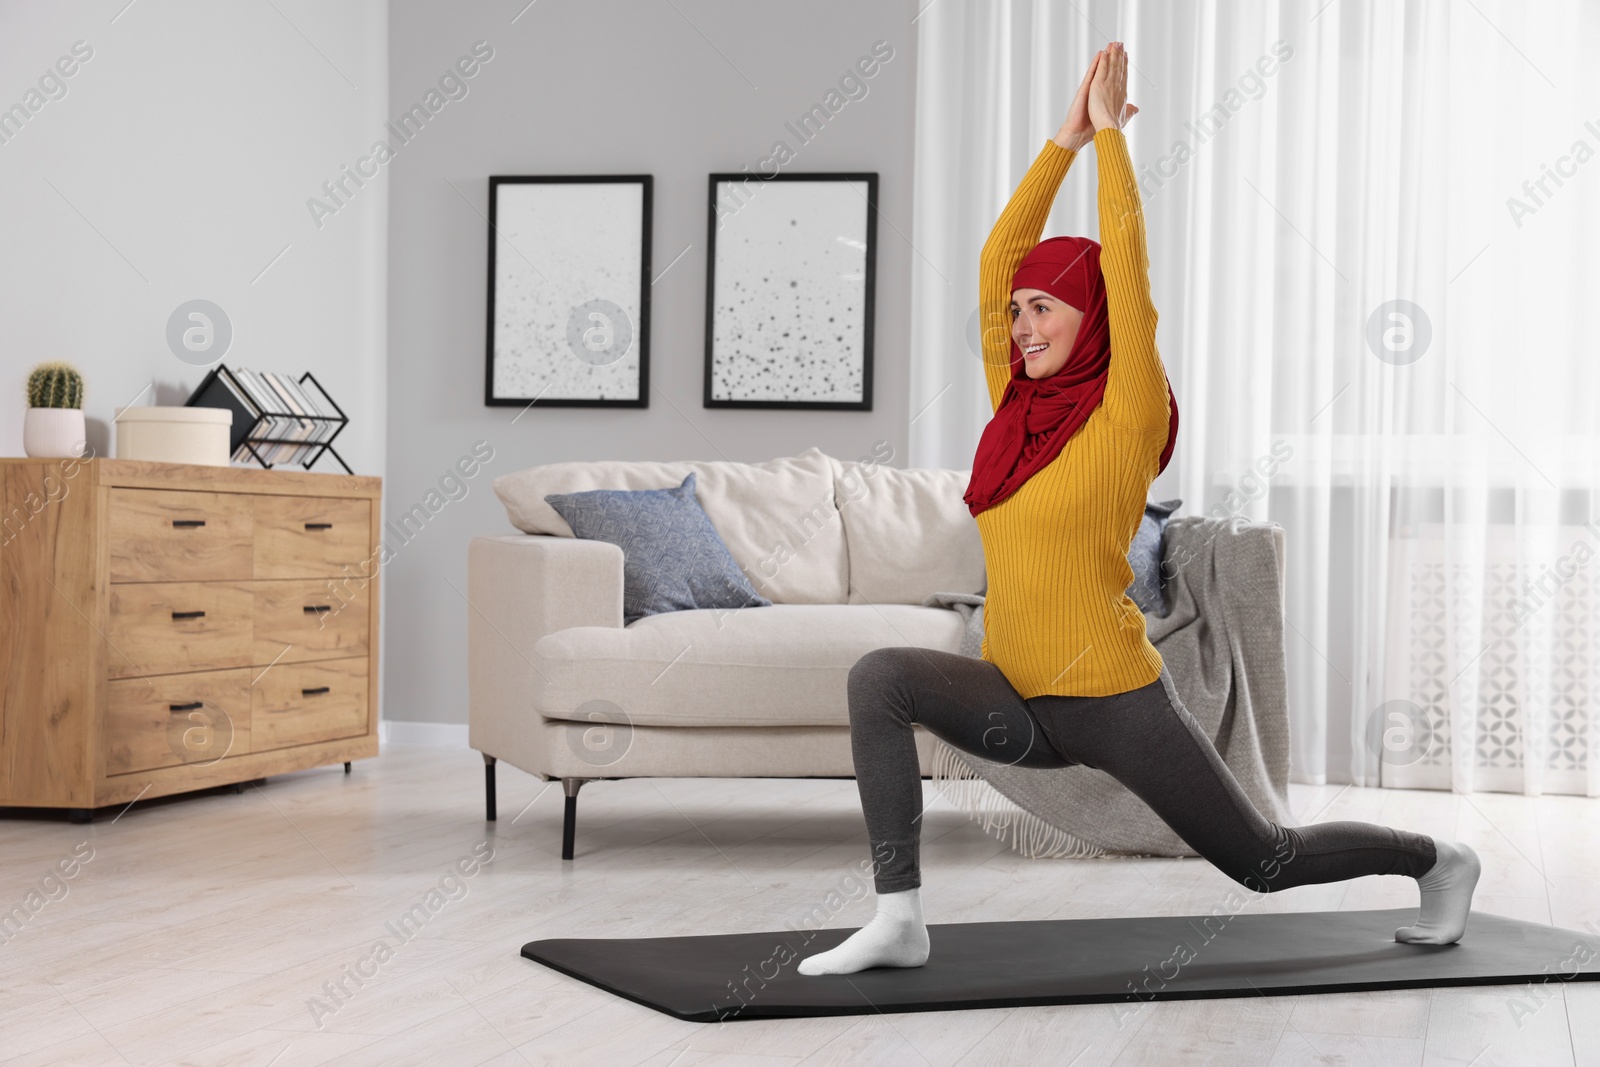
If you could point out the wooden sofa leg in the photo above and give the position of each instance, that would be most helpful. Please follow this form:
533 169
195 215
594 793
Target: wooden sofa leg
569 823
488 785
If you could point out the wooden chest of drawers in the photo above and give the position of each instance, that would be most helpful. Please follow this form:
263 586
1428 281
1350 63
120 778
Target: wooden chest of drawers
167 627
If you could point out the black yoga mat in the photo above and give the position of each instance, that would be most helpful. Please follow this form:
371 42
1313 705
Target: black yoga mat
724 977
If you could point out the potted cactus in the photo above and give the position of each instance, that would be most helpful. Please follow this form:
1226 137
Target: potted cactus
54 423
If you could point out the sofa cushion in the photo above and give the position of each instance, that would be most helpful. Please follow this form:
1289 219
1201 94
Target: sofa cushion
786 665
672 557
777 518
909 532
1149 589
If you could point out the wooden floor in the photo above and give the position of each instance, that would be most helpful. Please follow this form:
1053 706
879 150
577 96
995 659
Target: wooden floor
206 929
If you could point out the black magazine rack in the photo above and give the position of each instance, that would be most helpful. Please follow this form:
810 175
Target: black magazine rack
258 422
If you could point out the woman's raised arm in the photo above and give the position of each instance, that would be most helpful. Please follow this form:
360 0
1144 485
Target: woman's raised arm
1017 231
1136 382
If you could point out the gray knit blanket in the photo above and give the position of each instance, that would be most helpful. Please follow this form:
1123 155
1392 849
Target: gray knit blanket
1222 645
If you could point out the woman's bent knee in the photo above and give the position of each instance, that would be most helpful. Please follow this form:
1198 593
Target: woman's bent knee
874 679
879 669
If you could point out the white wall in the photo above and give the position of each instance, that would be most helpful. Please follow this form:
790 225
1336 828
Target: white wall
176 166
607 86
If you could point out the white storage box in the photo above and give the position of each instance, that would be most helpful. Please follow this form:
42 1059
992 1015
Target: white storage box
175 434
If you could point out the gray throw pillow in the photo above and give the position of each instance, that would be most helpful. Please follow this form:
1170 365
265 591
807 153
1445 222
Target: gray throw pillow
1144 556
673 559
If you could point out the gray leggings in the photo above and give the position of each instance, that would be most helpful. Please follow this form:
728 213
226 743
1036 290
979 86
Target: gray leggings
1144 738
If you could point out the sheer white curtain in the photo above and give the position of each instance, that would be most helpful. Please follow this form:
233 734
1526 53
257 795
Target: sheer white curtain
1373 233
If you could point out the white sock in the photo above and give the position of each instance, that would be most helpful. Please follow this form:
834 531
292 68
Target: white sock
896 937
1446 897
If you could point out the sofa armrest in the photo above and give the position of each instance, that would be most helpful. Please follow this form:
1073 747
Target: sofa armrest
1170 567
1283 569
519 588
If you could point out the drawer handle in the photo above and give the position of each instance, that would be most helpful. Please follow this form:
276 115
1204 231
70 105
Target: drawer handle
313 692
188 522
188 614
313 609
319 525
191 706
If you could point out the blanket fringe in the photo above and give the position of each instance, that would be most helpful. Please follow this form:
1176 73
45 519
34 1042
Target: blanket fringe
1029 834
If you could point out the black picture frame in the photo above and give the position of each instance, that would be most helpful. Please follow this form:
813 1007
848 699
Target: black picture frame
582 226
749 193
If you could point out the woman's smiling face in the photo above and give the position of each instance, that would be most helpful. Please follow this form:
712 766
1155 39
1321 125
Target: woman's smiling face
1044 328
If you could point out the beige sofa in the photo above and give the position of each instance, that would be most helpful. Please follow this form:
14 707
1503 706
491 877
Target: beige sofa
846 550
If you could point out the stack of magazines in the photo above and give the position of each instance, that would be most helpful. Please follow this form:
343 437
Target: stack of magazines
276 419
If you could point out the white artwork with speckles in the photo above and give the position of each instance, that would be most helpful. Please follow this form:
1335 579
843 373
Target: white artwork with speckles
789 303
567 290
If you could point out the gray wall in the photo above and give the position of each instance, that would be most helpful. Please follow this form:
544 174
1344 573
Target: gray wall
175 164
674 90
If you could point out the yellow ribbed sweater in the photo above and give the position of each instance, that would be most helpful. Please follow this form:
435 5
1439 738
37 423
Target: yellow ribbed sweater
1057 618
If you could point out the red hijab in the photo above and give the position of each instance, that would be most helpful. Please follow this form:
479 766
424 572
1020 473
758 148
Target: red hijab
1037 416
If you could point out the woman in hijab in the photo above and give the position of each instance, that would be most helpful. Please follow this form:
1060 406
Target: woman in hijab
1084 420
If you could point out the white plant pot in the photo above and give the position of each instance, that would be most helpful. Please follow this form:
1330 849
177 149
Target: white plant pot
53 432
174 434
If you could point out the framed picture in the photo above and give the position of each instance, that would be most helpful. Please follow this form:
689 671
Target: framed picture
569 291
790 268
